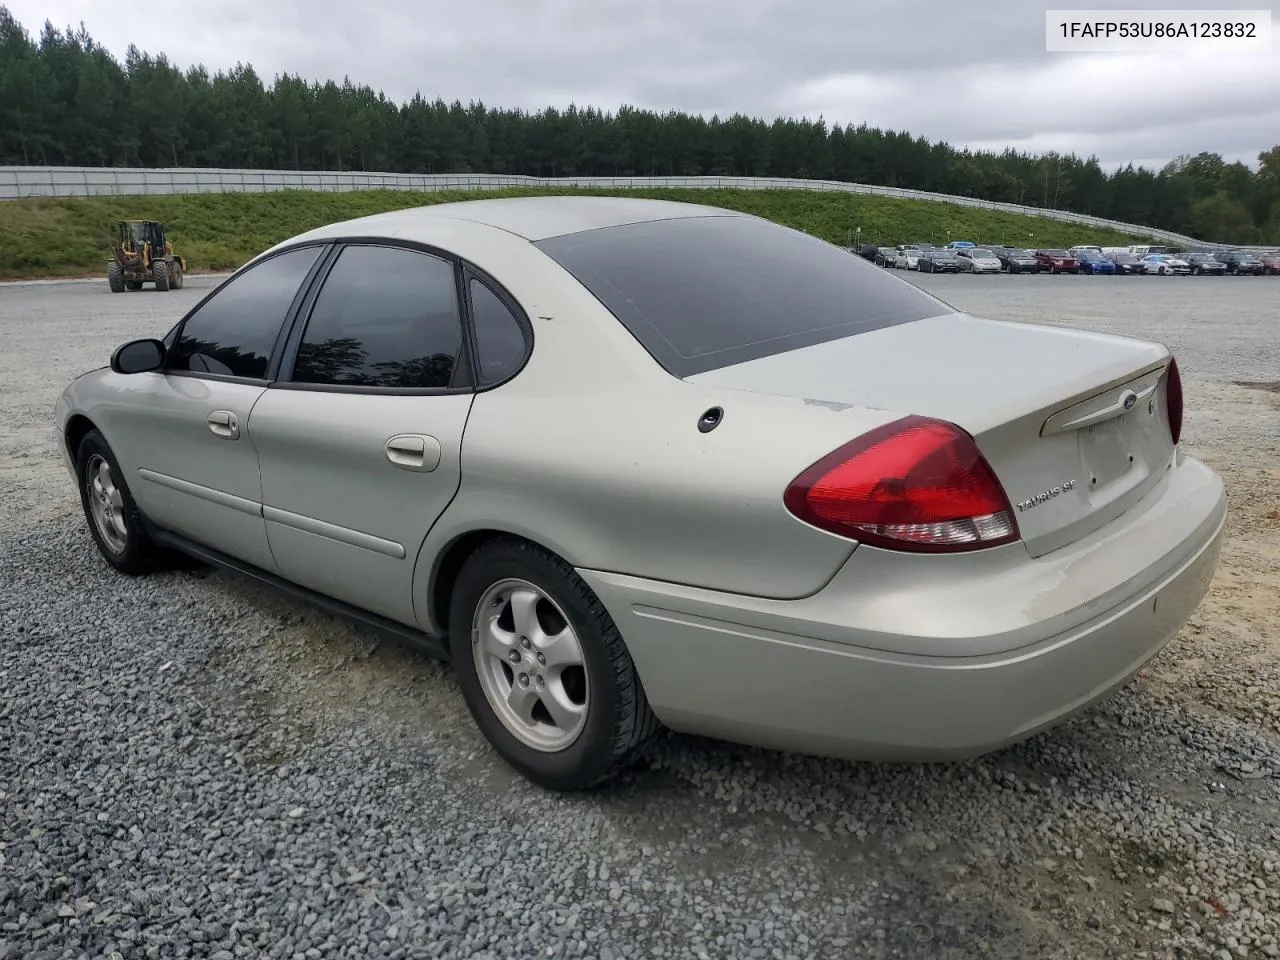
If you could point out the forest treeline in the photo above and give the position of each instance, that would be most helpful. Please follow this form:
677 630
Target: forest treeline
65 100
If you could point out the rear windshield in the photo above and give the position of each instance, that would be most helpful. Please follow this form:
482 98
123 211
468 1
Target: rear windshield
701 293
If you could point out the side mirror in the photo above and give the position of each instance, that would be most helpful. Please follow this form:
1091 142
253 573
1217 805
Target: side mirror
138 356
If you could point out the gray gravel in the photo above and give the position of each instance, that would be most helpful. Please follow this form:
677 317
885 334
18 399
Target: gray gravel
193 767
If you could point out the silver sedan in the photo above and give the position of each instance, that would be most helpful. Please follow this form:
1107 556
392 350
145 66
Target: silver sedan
629 463
978 260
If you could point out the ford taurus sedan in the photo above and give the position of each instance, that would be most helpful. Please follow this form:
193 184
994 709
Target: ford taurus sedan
628 463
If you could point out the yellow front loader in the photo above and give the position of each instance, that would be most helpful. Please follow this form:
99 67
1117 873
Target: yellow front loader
141 254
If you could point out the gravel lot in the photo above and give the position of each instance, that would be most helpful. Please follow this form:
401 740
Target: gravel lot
190 766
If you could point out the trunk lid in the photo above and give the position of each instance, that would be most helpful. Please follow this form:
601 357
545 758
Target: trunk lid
1073 423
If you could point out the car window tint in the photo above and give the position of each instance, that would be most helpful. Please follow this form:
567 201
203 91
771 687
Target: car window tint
701 293
385 317
500 343
234 331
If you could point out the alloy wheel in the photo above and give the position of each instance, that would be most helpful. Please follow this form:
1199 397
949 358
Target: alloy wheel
530 663
106 505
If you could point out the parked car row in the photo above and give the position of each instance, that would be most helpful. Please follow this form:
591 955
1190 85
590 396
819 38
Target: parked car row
963 256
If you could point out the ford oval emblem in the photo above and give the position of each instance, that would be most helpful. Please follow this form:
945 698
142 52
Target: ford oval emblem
1128 399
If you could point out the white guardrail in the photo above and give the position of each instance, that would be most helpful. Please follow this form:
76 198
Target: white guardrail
21 182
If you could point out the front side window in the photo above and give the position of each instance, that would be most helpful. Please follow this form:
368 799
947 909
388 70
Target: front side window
234 331
385 317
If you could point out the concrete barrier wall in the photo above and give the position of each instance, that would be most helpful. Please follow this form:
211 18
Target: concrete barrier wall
21 182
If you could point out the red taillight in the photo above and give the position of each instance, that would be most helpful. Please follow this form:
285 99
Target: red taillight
1173 400
915 484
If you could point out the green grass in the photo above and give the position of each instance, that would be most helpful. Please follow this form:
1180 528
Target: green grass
69 237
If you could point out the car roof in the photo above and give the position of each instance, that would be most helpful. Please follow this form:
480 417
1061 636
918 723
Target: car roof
533 218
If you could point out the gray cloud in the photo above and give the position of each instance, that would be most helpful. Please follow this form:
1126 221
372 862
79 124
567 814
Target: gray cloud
972 74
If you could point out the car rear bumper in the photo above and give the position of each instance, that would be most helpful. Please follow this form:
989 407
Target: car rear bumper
911 657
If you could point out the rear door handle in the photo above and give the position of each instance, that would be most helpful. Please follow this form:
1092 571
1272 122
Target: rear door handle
414 451
224 424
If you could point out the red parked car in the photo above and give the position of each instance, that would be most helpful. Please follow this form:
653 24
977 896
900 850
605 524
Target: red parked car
1271 262
1057 261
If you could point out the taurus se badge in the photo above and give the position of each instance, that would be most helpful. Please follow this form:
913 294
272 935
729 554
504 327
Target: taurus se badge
1045 495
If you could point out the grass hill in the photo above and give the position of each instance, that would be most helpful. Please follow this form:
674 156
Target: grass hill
69 237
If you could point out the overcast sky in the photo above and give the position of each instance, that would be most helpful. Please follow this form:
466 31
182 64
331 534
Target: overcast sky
971 72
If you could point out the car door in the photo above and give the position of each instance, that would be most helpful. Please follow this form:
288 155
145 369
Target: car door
360 439
182 431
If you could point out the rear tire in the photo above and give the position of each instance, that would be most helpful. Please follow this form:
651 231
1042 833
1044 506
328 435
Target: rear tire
507 591
175 276
113 517
115 278
160 271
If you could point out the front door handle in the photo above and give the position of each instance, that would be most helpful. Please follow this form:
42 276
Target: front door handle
224 424
414 451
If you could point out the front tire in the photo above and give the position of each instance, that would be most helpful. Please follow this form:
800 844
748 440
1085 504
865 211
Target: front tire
160 271
543 668
115 278
109 508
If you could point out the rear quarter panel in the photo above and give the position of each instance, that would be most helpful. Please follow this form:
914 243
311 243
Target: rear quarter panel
593 450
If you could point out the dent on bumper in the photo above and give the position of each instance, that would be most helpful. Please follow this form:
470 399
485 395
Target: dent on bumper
782 674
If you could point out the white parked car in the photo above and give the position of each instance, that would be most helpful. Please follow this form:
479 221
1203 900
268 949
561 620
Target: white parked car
1164 264
908 259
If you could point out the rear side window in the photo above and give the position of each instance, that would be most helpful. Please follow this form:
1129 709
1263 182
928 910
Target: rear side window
385 317
500 342
702 293
234 331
